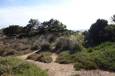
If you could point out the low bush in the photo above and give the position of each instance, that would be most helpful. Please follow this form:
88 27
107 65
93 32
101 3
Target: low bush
35 47
45 46
101 57
106 60
7 51
10 66
84 60
67 44
34 56
65 58
41 56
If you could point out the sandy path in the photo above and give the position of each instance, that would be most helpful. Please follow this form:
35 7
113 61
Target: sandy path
55 69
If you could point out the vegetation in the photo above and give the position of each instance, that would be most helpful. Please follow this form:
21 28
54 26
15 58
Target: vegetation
12 30
63 44
41 56
65 58
100 57
7 51
100 32
92 49
10 66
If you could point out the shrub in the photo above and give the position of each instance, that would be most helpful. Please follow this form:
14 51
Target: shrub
64 58
41 56
67 44
34 56
101 57
85 61
35 47
6 51
10 66
106 60
45 46
20 46
51 38
78 66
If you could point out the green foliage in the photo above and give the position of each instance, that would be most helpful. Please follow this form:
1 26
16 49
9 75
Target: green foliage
100 32
106 58
54 26
31 28
10 66
100 57
96 33
85 61
12 30
64 58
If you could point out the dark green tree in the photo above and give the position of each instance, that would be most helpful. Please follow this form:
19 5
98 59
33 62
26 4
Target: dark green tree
31 28
96 33
32 25
12 30
54 26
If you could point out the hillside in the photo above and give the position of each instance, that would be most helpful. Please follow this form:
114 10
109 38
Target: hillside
59 51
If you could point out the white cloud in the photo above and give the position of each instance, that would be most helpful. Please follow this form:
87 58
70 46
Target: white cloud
76 14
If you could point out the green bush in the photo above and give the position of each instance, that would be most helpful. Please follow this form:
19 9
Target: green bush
106 45
64 58
10 66
100 57
106 60
86 61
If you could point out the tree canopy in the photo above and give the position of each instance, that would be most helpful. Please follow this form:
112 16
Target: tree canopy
100 32
34 27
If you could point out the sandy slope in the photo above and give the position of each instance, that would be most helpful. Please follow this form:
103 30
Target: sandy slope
55 69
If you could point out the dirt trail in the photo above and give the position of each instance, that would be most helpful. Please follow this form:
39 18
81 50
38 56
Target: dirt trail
56 69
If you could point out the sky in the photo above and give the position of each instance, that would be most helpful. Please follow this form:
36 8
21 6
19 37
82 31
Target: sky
75 14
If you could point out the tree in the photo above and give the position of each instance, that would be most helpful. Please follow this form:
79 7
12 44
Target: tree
32 25
54 26
113 18
110 32
96 33
31 29
12 30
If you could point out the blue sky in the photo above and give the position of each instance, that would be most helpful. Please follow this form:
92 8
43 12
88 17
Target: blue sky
76 14
11 3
